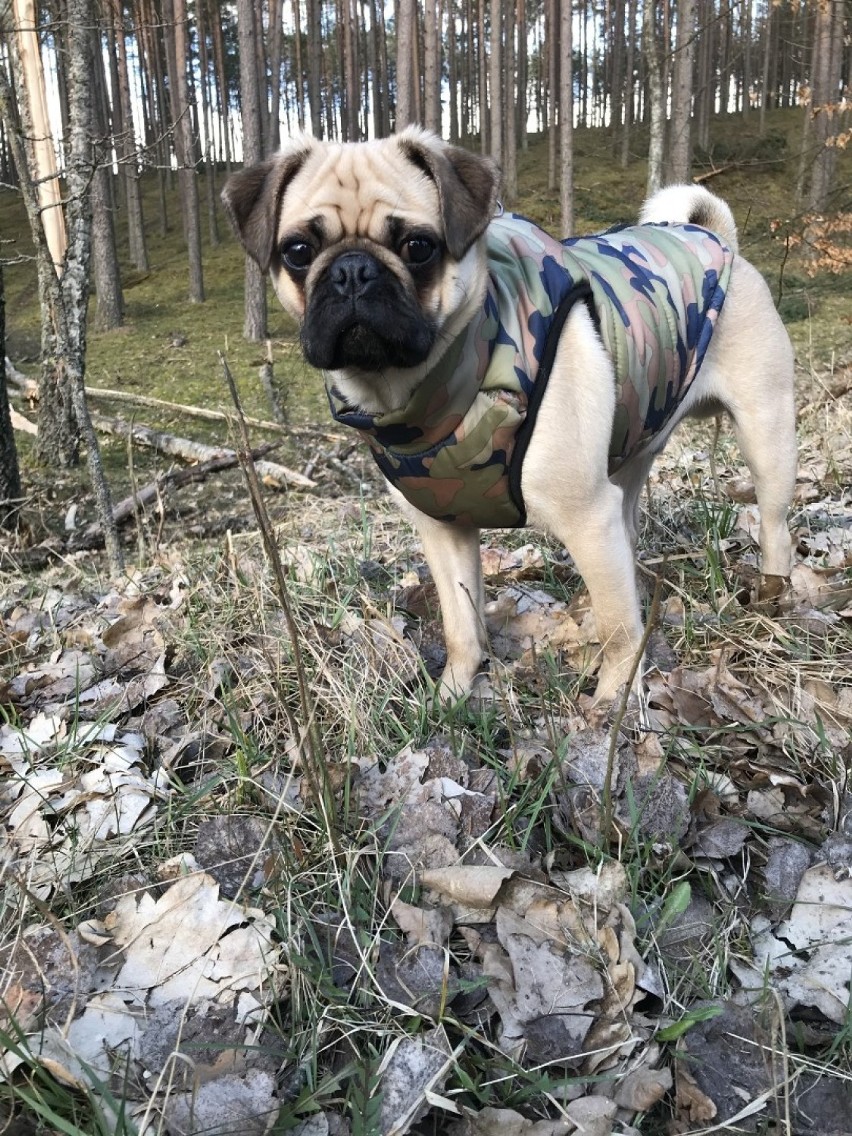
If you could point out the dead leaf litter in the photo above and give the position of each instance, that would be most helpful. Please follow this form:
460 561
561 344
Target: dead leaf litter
502 921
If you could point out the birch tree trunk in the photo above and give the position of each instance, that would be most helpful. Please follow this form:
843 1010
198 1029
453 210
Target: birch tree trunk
58 439
10 477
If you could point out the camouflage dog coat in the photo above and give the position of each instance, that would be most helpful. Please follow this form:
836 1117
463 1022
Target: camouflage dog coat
456 450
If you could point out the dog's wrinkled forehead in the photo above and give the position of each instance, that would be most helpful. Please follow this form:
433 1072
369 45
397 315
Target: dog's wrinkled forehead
354 192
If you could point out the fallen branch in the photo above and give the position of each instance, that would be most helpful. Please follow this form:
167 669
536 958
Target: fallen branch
272 474
22 424
708 174
100 394
129 507
26 386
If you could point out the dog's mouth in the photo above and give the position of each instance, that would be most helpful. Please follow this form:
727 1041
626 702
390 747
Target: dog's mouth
360 345
361 317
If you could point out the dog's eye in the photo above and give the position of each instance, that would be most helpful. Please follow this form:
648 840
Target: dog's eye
418 250
297 255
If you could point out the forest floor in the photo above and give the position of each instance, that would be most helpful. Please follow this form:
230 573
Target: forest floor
258 883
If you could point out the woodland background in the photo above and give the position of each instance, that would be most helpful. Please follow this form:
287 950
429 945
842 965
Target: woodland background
251 879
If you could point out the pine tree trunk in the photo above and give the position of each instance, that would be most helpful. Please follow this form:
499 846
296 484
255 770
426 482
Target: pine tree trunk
522 104
432 100
298 64
552 42
705 88
680 145
107 276
630 65
315 65
495 81
276 32
222 100
828 33
405 42
456 94
175 12
255 321
510 107
482 53
656 104
137 246
617 80
566 118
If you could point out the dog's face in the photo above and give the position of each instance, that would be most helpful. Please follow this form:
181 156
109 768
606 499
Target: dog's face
372 246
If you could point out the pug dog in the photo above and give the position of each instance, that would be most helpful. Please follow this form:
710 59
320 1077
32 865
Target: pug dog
504 378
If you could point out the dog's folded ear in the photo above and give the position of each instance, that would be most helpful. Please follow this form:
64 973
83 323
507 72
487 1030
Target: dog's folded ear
251 198
467 186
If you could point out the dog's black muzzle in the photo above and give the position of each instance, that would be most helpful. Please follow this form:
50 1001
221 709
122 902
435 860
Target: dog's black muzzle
361 315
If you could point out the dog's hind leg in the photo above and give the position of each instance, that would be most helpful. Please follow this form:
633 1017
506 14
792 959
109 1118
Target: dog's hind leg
752 377
452 554
767 440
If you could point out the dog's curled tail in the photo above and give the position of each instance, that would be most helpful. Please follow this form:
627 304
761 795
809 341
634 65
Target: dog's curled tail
691 204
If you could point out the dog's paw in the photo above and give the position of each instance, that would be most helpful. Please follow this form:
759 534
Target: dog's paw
455 688
772 588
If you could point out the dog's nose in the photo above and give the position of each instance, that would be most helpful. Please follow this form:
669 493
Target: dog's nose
353 272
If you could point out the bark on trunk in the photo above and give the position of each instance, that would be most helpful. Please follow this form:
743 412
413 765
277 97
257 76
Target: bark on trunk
655 100
566 118
10 476
680 145
255 321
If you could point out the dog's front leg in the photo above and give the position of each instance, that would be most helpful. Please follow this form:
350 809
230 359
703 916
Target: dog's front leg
452 554
593 530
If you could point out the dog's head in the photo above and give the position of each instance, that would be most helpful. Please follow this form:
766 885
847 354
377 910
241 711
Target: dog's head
373 247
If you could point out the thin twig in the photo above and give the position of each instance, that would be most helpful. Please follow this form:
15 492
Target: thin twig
307 737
